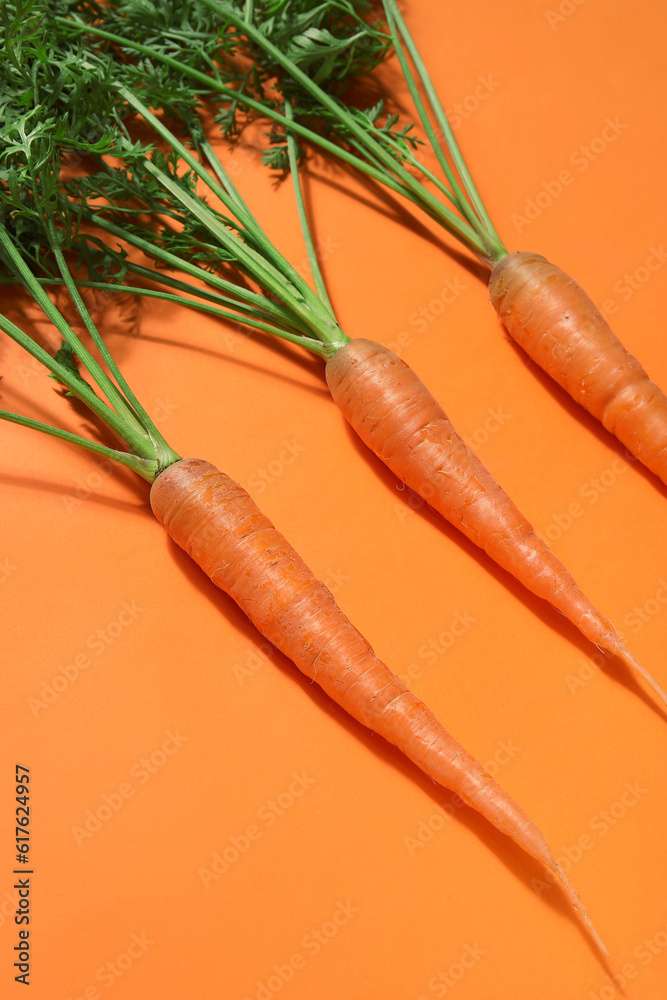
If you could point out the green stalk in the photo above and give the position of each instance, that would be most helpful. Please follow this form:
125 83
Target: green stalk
392 10
26 276
315 269
135 408
230 199
239 206
121 424
315 346
246 313
457 194
151 250
250 315
309 308
412 191
144 467
336 109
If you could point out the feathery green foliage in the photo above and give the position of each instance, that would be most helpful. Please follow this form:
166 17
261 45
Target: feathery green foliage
44 97
148 194
249 61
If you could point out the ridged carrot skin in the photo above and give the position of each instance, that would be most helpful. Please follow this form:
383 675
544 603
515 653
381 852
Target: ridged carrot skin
391 410
550 316
218 524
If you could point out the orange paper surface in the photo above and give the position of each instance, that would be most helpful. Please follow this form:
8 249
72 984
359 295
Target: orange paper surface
205 824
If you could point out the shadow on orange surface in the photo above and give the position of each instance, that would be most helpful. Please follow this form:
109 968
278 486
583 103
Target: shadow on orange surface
381 201
309 362
130 480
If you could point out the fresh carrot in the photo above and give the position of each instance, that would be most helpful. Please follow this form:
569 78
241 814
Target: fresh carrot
218 524
554 321
397 417
213 519
374 390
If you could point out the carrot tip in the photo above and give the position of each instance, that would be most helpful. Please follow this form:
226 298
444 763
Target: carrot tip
630 661
574 898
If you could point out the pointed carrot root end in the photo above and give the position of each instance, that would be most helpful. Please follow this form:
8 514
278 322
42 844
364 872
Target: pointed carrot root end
539 849
619 650
574 898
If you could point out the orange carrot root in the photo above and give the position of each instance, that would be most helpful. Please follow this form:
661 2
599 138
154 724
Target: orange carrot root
634 665
573 896
400 421
213 519
555 322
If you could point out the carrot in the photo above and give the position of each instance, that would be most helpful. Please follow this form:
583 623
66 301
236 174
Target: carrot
399 420
218 524
554 321
213 519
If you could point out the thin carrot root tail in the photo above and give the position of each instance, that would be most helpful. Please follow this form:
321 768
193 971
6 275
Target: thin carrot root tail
619 650
575 899
536 845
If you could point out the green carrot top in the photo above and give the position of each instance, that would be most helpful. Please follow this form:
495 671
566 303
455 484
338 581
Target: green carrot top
43 96
284 58
59 100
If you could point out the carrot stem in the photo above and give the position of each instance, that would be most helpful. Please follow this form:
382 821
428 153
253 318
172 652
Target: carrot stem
301 210
488 230
390 174
142 466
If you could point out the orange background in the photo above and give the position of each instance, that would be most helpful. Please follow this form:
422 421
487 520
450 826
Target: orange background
333 870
